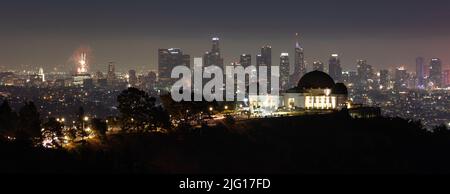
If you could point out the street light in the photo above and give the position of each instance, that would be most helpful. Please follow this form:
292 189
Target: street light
226 107
86 118
210 108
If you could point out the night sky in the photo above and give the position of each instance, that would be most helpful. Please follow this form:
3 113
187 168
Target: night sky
129 32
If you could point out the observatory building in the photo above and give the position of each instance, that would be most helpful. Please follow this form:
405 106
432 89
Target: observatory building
316 90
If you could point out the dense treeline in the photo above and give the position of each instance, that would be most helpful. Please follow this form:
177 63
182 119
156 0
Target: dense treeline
332 143
311 144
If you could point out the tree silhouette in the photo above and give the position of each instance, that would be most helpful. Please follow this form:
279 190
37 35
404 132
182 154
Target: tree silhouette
8 119
99 127
29 123
139 111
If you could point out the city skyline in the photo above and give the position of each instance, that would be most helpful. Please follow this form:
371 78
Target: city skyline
132 38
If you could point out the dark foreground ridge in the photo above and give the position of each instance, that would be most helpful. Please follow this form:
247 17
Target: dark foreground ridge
333 143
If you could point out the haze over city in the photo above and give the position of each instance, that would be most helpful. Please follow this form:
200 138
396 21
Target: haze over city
387 34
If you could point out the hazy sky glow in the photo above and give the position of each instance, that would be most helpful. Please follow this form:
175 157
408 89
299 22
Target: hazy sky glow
386 33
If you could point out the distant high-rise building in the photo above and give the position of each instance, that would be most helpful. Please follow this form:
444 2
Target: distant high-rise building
401 79
214 57
299 63
284 71
266 53
41 73
149 81
132 78
446 78
384 79
265 59
111 75
259 60
167 60
318 66
420 72
215 45
246 60
365 74
436 72
334 68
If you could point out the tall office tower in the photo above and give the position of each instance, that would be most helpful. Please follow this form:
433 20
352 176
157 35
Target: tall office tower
132 78
41 74
318 66
111 74
149 82
384 79
245 60
420 72
365 74
259 60
284 71
334 68
167 60
214 57
446 79
436 72
401 79
299 63
265 59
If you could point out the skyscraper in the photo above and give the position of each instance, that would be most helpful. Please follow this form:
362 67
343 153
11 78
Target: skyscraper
436 72
334 68
365 74
299 63
111 75
214 56
384 79
167 60
446 81
266 53
132 78
420 72
265 59
284 71
245 60
318 66
401 79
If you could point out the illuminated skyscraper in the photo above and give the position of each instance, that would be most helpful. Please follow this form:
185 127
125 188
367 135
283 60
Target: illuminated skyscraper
245 60
41 73
284 71
436 72
365 74
401 79
299 63
111 75
420 72
334 68
132 78
213 57
265 59
446 80
259 60
318 66
167 60
384 79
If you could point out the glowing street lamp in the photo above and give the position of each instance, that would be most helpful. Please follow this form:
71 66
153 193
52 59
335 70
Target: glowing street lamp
226 107
86 118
